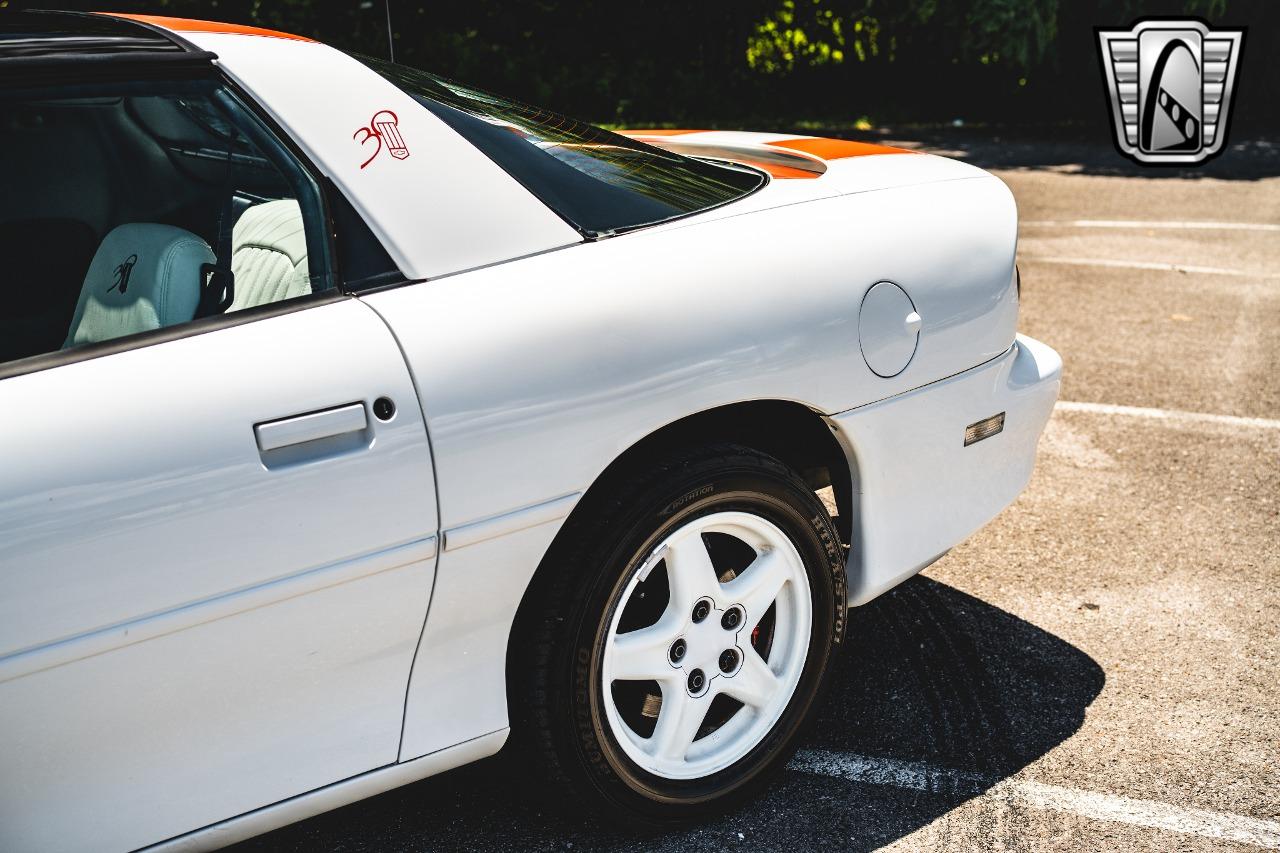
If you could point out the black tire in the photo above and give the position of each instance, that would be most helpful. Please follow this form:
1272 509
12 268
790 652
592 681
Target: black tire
559 725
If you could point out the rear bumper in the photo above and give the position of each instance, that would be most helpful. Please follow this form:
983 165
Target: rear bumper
919 490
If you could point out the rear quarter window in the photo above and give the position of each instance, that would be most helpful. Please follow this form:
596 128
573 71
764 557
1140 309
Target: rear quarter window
600 182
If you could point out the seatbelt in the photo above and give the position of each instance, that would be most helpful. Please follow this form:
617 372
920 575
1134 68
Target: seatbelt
219 281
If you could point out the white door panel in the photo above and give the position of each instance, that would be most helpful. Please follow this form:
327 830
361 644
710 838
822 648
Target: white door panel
149 458
190 625
157 738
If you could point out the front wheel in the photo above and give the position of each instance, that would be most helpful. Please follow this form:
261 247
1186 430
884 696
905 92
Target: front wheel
683 639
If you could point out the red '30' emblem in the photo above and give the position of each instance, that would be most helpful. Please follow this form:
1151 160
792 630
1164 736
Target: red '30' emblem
384 127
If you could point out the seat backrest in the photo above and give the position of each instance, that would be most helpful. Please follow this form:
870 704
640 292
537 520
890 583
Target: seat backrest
144 276
269 254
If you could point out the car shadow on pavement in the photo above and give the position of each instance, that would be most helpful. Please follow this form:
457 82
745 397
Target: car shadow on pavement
929 675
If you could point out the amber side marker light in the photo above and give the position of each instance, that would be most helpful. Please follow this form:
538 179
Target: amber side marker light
984 428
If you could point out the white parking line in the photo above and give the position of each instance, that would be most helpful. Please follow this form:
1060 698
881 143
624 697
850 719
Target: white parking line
1153 223
1145 265
1171 415
1037 795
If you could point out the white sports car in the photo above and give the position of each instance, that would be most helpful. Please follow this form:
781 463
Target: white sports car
353 420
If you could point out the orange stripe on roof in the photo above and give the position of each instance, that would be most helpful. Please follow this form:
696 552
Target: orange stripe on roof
657 131
837 149
188 25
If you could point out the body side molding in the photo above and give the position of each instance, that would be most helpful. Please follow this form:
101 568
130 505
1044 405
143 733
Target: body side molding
102 640
509 522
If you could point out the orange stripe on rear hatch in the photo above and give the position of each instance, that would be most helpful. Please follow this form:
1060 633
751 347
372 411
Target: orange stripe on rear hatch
837 149
187 25
779 171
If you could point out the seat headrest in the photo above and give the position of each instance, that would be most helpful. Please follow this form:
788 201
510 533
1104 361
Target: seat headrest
269 254
144 276
275 225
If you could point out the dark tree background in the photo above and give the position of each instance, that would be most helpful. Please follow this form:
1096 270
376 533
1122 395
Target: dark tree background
764 63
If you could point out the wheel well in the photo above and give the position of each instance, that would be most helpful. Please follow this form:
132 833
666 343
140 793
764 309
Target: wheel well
790 432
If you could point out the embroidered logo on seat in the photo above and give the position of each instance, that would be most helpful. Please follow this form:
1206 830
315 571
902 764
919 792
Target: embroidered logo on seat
122 273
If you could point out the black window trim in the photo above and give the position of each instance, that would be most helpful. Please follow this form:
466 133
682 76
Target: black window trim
204 325
141 340
105 52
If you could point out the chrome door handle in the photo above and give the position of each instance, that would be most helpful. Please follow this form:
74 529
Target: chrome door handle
300 429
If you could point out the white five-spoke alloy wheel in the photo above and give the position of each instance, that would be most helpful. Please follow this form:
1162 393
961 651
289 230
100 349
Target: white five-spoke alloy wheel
706 644
679 637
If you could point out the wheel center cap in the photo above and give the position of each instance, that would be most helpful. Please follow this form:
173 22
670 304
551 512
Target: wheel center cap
705 642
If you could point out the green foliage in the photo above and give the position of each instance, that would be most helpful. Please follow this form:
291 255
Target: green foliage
821 32
1016 33
767 64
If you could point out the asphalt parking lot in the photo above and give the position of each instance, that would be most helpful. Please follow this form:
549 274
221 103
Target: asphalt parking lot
1099 668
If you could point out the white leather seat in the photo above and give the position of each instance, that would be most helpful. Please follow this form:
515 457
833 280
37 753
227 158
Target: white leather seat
269 254
144 276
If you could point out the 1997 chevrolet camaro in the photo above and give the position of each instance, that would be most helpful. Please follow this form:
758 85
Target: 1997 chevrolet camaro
353 420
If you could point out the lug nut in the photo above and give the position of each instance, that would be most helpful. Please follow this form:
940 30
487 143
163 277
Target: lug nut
728 660
678 648
731 619
697 681
701 610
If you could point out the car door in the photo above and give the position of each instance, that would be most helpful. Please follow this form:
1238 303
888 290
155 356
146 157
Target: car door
192 626
217 535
